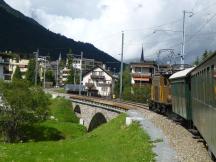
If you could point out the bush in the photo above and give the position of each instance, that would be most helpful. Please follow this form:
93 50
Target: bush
21 106
137 94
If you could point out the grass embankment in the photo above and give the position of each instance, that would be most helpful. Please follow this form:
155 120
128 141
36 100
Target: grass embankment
65 119
59 90
112 142
62 125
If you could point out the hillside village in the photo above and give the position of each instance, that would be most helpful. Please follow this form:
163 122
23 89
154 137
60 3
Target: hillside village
96 79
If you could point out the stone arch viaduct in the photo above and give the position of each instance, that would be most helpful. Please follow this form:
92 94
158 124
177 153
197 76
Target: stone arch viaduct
92 116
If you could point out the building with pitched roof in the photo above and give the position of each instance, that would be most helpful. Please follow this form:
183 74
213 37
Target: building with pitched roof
142 72
4 66
99 82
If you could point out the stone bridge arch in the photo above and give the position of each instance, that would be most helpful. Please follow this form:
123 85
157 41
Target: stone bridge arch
77 109
91 116
96 121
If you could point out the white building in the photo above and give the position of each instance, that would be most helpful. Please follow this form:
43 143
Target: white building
22 64
4 66
64 73
87 64
99 82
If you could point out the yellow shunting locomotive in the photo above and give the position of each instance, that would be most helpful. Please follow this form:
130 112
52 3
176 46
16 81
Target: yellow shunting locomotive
161 93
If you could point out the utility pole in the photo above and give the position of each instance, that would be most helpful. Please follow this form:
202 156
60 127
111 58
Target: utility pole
75 74
36 65
121 73
183 39
57 72
44 72
183 36
80 73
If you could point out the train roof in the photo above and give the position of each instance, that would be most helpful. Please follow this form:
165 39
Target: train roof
181 74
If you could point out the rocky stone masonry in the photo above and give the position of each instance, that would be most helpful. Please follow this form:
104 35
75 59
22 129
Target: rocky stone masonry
88 112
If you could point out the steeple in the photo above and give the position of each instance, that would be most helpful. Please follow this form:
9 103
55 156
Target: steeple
60 57
142 56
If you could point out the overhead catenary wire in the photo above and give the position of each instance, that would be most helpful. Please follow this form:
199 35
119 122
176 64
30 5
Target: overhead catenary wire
201 28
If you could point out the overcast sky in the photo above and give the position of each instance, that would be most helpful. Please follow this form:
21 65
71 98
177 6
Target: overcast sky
100 22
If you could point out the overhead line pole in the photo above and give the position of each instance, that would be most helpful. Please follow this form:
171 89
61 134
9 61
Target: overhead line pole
183 36
80 73
121 73
36 65
183 39
57 72
44 72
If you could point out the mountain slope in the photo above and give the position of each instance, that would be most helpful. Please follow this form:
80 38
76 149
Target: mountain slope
24 35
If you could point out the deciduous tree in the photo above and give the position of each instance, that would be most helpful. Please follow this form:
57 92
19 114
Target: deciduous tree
21 106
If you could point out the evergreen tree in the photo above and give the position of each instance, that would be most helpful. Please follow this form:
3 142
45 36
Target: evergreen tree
17 74
30 74
197 61
132 93
70 79
50 76
205 55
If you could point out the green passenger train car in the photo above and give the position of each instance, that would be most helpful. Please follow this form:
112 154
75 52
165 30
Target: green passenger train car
181 97
203 98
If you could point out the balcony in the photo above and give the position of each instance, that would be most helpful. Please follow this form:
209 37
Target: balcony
6 62
98 77
141 75
103 85
89 85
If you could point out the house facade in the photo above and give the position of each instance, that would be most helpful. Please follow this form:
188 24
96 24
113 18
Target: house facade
87 64
142 71
99 82
4 67
22 64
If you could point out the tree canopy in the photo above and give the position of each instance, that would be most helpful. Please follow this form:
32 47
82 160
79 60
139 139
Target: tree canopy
30 74
17 74
20 106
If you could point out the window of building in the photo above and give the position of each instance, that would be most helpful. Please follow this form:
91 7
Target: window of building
104 89
138 69
94 73
100 73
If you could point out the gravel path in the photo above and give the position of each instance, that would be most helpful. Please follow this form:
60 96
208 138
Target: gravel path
187 148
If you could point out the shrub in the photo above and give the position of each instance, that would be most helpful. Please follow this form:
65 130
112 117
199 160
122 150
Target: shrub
21 106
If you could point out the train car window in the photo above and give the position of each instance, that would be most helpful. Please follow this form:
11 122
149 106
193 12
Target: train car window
195 86
204 86
214 84
208 85
200 85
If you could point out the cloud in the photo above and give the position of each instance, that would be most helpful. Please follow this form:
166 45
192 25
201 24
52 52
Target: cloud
101 21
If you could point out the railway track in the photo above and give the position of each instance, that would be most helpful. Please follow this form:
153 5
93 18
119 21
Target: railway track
125 105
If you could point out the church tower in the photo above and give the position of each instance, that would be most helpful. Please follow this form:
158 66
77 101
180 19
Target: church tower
142 56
